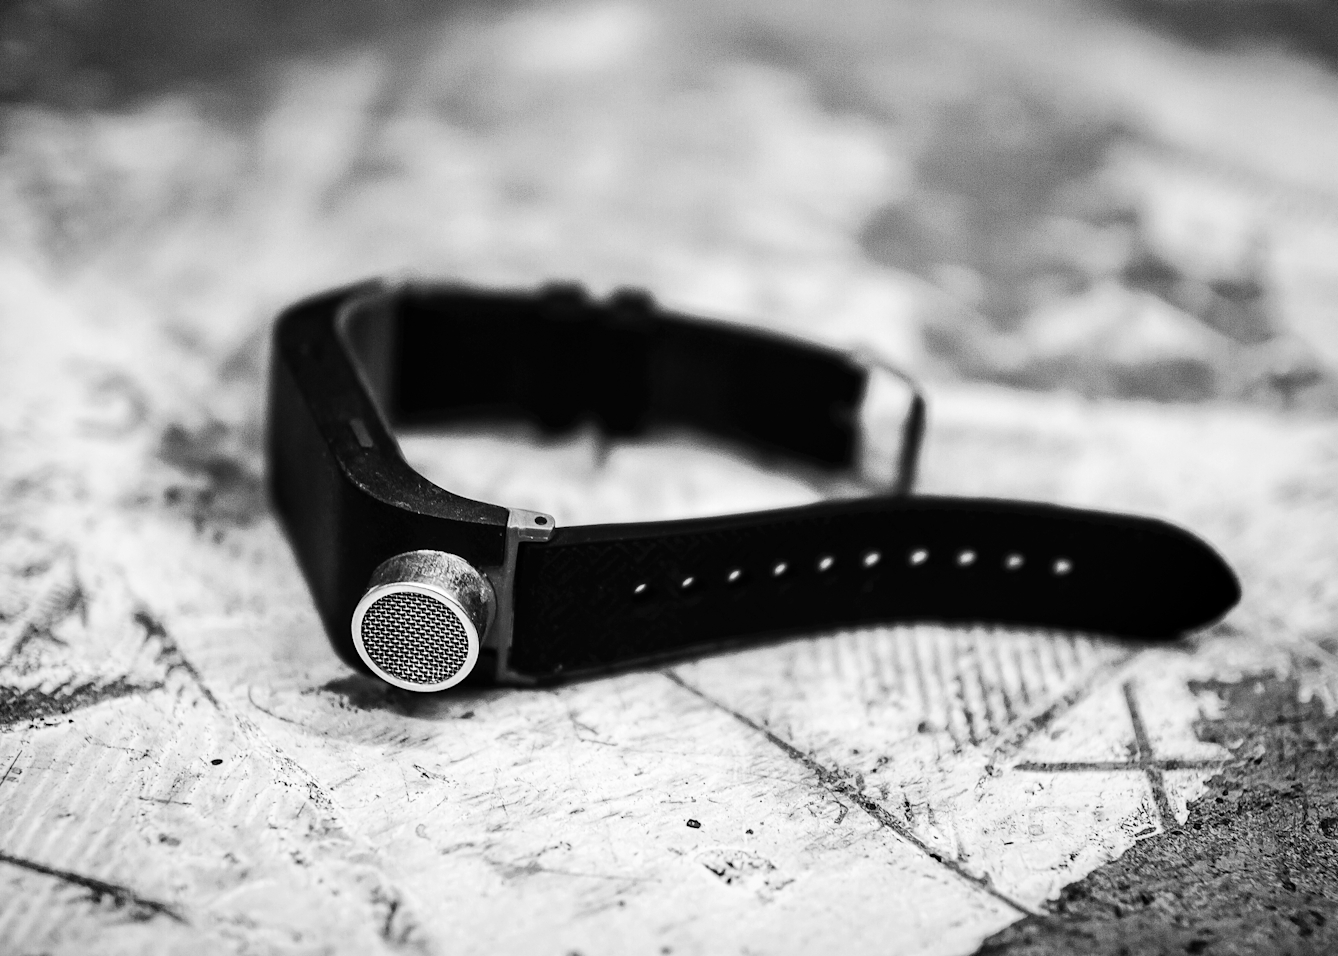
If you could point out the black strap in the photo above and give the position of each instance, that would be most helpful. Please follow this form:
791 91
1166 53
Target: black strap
599 596
595 597
558 359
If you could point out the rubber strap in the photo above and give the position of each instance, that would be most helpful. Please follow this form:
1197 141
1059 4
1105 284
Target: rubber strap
600 596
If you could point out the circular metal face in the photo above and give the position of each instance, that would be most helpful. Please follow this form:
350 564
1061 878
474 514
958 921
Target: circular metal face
418 625
415 639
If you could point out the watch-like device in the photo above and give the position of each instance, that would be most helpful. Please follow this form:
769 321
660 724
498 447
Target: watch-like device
423 588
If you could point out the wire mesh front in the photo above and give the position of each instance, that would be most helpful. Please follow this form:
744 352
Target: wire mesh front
415 638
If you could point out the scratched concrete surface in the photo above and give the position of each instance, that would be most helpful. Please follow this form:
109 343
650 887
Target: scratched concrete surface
184 766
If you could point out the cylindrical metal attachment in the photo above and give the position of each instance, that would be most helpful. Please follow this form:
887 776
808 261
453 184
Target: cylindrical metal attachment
422 619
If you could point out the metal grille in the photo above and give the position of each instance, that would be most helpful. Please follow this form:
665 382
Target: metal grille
415 638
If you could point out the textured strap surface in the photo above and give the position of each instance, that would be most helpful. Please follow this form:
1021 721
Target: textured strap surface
601 596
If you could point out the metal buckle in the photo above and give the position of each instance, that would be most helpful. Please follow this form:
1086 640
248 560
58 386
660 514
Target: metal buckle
891 425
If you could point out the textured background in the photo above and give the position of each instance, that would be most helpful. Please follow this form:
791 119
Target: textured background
1105 237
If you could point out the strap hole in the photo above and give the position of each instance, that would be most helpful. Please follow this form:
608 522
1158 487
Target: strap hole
872 558
687 583
825 563
734 576
779 570
1063 566
966 558
1014 561
919 556
540 520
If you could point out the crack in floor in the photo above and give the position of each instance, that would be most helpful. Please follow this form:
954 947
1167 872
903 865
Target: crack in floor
836 784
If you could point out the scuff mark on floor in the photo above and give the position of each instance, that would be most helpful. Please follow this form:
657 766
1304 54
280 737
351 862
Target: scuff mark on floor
19 706
139 908
169 652
226 490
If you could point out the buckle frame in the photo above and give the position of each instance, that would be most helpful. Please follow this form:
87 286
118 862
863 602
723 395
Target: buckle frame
890 427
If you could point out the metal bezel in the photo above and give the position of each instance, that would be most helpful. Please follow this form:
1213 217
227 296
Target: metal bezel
439 594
